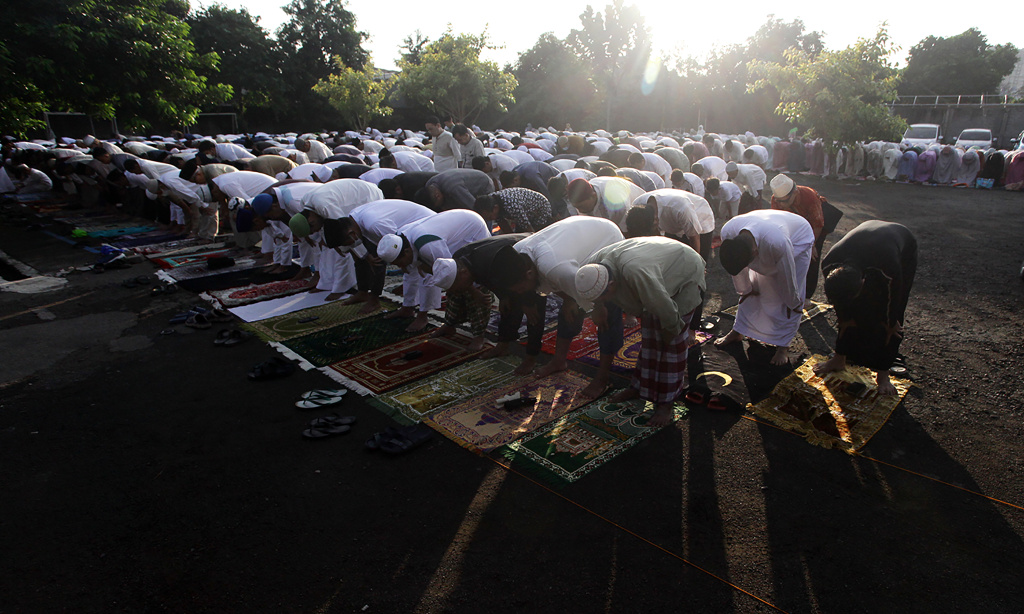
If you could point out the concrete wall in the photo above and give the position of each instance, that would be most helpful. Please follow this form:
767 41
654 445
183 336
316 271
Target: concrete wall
1004 120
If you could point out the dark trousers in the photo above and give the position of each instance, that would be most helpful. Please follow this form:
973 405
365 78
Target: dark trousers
370 277
511 310
608 340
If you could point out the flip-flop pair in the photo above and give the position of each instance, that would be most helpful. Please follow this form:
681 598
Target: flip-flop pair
328 426
899 366
271 369
399 440
315 399
712 400
229 337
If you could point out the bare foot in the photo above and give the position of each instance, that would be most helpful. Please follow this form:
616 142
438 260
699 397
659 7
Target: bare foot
418 323
476 344
333 296
371 305
662 415
302 274
782 356
315 279
732 337
885 387
554 366
315 290
626 394
404 312
836 363
526 367
444 331
596 388
358 297
500 349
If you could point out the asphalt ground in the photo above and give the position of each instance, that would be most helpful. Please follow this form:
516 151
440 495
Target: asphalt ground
145 473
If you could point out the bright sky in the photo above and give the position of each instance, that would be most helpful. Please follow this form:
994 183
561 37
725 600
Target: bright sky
515 26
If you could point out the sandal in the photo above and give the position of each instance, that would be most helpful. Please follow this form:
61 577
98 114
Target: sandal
332 420
373 443
271 369
695 396
222 336
236 336
333 392
327 430
406 439
716 402
709 323
198 320
219 315
319 398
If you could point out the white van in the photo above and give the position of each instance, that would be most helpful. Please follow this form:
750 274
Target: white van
975 137
922 135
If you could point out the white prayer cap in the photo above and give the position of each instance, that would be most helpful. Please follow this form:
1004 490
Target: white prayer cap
89 140
389 248
281 176
323 173
592 281
731 167
782 186
445 270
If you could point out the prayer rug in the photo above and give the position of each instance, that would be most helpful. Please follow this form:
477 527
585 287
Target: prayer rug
146 239
414 402
830 411
625 358
197 271
738 373
177 248
400 363
338 343
311 320
118 230
816 309
476 423
572 446
234 297
584 343
551 308
171 262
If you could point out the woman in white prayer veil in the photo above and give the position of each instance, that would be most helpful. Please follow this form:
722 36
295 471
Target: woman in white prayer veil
970 165
890 163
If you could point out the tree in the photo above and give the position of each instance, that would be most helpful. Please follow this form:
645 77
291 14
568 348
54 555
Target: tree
451 79
961 64
249 57
317 32
554 84
413 47
616 44
839 96
357 94
129 58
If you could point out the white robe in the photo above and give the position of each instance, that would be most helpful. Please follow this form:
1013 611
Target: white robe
680 213
778 274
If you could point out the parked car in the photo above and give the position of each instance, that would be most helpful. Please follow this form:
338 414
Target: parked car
975 137
922 135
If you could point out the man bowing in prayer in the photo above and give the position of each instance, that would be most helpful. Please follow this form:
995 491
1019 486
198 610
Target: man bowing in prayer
661 281
868 276
767 253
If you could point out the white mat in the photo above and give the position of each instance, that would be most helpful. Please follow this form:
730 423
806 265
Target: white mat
281 306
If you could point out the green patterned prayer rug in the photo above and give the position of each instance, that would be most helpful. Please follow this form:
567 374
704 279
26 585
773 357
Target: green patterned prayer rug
478 425
347 340
625 358
414 402
572 446
314 319
813 309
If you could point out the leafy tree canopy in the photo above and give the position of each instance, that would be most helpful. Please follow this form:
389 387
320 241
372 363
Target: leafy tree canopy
451 79
554 84
357 94
840 95
961 64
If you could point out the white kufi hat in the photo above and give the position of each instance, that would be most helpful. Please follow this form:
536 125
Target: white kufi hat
389 248
592 280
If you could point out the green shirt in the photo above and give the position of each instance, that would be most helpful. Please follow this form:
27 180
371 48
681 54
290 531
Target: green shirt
659 276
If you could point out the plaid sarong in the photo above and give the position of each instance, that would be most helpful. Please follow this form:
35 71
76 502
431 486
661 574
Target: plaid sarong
462 307
660 375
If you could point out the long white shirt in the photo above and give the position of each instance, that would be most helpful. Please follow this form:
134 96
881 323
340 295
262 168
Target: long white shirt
446 152
243 184
758 155
656 164
750 178
714 167
409 162
441 235
385 217
229 152
318 152
680 213
336 199
376 175
778 273
695 183
289 196
614 197
559 251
